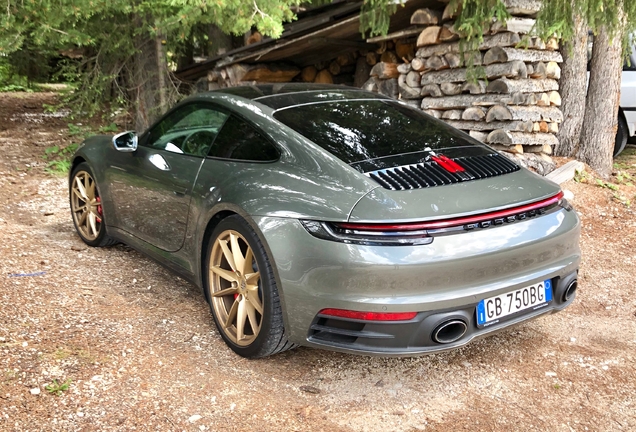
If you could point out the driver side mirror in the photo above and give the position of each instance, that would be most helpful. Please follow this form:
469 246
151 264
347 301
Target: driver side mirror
125 142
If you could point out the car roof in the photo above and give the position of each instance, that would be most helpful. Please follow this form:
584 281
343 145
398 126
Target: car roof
286 95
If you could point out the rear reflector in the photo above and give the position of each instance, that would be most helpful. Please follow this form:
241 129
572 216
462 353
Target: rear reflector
446 223
369 316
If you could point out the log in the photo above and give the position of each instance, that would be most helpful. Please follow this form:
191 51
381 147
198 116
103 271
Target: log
384 70
543 100
506 39
401 34
528 85
518 25
418 64
552 44
324 77
451 12
388 57
544 148
402 80
404 51
346 59
501 136
431 90
453 60
523 7
473 58
434 113
450 89
413 79
566 172
388 87
363 69
498 113
506 54
516 126
414 103
371 85
308 74
334 68
511 70
371 58
533 113
543 127
464 101
448 33
322 65
473 114
426 16
429 36
538 70
436 63
404 68
452 115
270 73
407 92
553 71
471 87
517 148
479 136
381 47
553 127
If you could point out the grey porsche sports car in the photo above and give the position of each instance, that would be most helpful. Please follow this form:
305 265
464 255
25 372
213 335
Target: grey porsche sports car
331 217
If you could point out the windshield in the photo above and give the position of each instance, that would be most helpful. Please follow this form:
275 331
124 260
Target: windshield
364 130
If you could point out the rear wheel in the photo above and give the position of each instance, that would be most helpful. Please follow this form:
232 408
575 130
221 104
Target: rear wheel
242 291
86 207
622 133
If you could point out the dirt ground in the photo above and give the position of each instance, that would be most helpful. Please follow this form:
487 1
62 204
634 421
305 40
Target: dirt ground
141 352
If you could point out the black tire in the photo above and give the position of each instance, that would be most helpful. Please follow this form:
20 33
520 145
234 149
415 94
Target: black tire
622 133
271 337
94 236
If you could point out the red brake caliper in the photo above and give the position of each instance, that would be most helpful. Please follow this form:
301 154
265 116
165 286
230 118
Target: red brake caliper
99 208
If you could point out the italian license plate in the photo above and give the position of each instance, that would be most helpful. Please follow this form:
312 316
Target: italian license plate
533 297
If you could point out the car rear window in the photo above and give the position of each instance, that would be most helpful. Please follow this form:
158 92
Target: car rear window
357 131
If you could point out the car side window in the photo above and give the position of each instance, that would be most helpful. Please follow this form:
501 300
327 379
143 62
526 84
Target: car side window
189 130
238 140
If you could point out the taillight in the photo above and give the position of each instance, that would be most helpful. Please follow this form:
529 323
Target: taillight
369 316
422 233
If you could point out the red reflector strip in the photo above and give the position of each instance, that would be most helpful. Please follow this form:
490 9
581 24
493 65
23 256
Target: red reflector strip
455 221
448 164
369 316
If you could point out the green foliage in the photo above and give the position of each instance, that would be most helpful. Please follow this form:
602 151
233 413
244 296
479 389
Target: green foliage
375 16
100 38
57 388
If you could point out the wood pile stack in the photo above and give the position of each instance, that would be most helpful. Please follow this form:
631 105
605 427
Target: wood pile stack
514 108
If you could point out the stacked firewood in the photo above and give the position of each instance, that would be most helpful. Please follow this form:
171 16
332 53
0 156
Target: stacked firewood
339 70
513 105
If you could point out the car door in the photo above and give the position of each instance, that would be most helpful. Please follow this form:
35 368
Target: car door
151 187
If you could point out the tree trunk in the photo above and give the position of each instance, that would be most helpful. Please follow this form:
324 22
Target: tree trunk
149 81
601 108
572 87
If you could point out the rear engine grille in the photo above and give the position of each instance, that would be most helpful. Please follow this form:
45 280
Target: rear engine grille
431 173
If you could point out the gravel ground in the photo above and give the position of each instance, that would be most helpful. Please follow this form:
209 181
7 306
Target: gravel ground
138 350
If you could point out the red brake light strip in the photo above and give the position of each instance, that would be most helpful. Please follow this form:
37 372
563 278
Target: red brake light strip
369 316
448 164
447 223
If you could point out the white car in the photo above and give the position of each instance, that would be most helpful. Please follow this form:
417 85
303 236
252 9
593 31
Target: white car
627 109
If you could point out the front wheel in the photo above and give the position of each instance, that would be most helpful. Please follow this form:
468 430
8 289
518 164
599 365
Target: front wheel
86 207
242 290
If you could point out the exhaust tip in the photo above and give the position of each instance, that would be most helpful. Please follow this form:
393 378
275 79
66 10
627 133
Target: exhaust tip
449 331
570 290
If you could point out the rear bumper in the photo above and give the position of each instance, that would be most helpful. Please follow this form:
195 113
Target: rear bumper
415 336
445 278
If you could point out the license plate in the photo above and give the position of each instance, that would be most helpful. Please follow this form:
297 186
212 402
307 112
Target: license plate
533 297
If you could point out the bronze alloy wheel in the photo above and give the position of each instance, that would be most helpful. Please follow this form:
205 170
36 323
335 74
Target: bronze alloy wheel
86 205
235 285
